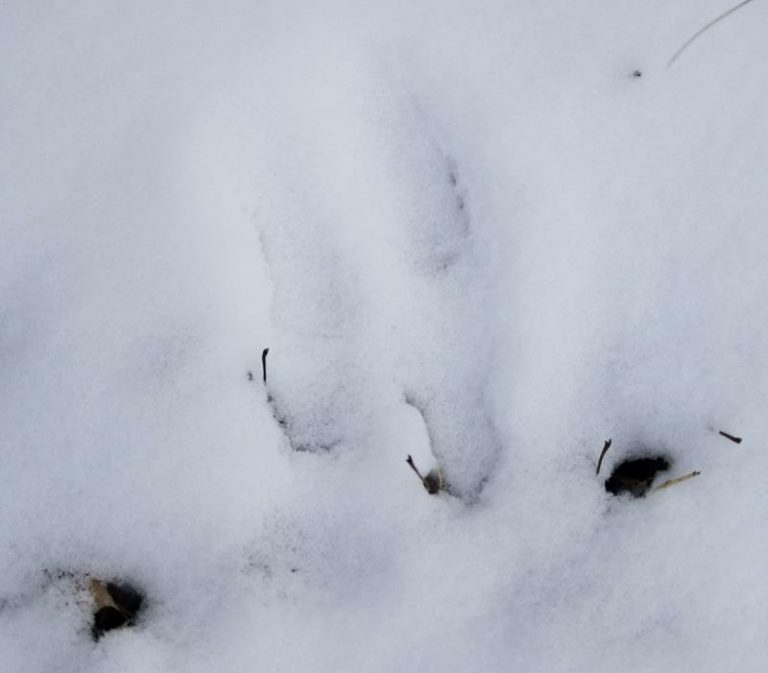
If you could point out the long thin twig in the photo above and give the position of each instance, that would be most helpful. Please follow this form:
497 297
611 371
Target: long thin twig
672 482
264 364
698 33
602 455
409 460
737 440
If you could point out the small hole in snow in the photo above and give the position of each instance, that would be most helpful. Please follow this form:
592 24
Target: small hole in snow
115 605
635 475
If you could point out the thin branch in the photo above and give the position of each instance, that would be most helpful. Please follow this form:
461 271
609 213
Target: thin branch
737 440
409 460
602 455
264 364
697 34
672 482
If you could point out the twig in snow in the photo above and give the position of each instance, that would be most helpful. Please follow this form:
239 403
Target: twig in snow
737 440
672 482
264 364
602 455
693 38
433 482
409 460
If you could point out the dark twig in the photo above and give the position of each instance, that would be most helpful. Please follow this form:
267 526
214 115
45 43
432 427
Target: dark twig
697 34
409 460
737 440
433 482
264 364
602 455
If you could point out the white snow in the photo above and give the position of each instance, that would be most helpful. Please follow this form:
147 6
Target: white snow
465 232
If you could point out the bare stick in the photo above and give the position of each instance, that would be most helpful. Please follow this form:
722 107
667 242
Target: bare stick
693 38
264 364
737 440
602 455
672 482
409 460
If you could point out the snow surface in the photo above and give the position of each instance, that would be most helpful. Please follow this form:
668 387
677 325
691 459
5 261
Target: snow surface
466 233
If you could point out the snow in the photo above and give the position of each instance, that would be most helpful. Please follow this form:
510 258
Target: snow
465 232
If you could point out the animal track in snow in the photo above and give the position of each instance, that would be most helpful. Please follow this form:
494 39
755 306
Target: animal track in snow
314 386
446 373
380 285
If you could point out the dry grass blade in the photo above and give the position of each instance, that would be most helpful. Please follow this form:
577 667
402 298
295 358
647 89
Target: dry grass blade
698 34
672 482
